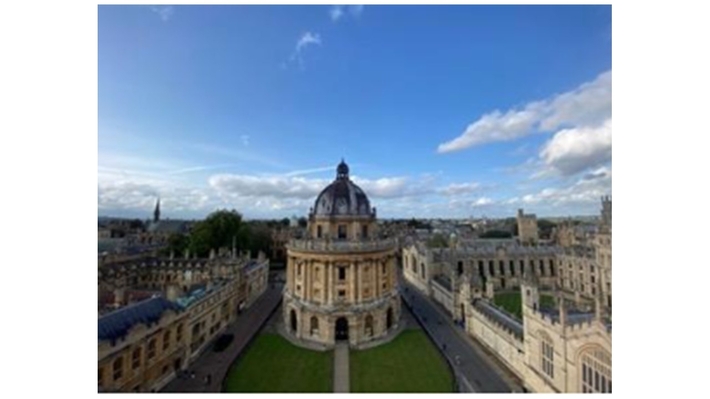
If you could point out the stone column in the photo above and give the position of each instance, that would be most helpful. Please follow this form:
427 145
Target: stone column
329 283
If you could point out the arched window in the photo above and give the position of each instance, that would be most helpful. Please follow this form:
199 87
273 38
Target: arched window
547 355
117 369
368 326
389 318
314 325
595 370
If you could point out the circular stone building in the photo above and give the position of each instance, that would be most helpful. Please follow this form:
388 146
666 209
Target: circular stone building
341 279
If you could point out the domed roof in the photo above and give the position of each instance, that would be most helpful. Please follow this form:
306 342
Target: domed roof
342 197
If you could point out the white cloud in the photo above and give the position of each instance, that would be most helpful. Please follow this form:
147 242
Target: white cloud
459 188
306 40
588 105
336 12
571 151
164 12
483 201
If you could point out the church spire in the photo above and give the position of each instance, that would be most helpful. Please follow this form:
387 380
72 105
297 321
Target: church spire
156 213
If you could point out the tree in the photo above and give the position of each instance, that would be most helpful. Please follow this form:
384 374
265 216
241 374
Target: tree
285 222
302 222
218 230
495 234
177 244
437 241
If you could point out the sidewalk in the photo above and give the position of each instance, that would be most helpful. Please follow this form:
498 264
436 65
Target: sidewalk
216 364
341 378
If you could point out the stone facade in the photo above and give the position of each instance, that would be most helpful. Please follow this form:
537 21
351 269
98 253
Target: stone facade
341 280
562 349
200 299
527 228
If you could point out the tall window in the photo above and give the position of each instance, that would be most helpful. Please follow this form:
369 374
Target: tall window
384 268
166 340
491 271
342 232
341 273
314 325
151 349
595 371
136 360
548 357
319 233
178 337
117 369
364 231
368 326
501 267
512 267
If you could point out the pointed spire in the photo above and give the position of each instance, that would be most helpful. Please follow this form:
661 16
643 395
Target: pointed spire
156 213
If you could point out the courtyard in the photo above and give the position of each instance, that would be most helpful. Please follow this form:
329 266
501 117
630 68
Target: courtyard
512 302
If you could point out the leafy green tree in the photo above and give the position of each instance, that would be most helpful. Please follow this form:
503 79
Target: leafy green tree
177 244
217 231
302 222
285 222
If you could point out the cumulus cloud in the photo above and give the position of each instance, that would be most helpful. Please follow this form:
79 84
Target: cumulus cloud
585 191
269 186
571 151
587 105
482 201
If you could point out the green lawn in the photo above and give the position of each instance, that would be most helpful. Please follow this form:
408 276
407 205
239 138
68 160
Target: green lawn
512 302
272 364
410 363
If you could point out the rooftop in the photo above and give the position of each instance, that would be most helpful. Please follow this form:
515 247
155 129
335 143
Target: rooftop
117 324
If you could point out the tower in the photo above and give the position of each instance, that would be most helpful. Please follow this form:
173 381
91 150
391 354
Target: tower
156 213
605 226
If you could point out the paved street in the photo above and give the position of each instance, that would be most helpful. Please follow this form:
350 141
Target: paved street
476 370
216 364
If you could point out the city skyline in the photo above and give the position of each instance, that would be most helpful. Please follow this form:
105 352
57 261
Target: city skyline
499 108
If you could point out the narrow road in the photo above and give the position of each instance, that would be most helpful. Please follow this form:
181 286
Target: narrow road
216 364
477 371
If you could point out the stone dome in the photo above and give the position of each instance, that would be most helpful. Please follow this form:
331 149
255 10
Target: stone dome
342 197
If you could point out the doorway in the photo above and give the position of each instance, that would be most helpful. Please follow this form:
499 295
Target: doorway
341 329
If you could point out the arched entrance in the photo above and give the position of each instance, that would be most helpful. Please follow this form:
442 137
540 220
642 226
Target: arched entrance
389 318
341 329
294 321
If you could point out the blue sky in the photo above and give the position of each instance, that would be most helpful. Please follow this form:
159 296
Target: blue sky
447 111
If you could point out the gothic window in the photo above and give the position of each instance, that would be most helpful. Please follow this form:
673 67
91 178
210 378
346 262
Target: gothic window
460 268
522 267
542 267
117 369
548 356
491 268
501 267
512 267
595 371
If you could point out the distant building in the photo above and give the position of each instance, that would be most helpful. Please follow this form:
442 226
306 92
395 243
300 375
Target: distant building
527 228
